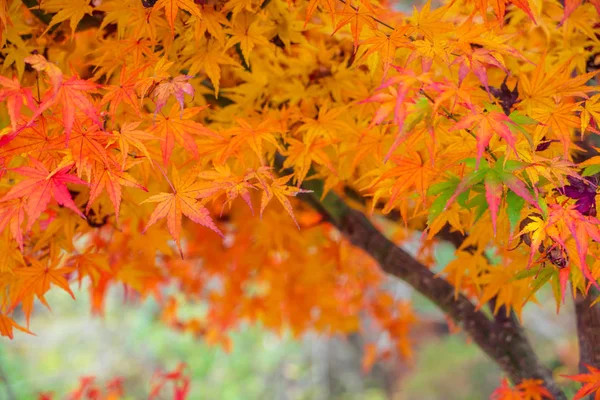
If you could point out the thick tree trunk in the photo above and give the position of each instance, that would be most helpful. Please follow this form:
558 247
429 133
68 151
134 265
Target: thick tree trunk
588 330
502 340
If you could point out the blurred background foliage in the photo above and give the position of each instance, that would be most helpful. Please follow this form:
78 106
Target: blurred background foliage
130 342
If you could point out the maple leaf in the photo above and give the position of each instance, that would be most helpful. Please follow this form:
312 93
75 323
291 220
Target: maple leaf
386 45
543 87
301 155
72 96
558 120
10 256
178 127
253 134
39 63
499 283
210 60
107 177
411 174
591 382
177 87
328 124
41 186
37 278
487 124
7 324
314 4
570 6
124 92
278 189
222 179
493 193
507 98
357 17
399 100
527 389
478 62
180 381
464 270
90 264
212 21
172 7
561 223
159 74
14 95
499 7
248 33
590 111
129 135
72 10
429 23
182 201
12 215
584 192
88 145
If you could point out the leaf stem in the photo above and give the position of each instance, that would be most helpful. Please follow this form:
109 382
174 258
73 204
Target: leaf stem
163 172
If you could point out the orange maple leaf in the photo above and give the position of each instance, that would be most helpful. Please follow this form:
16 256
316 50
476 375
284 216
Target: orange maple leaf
528 389
281 192
7 324
124 92
172 7
357 17
499 7
12 215
487 124
110 178
591 383
179 128
183 200
36 279
129 135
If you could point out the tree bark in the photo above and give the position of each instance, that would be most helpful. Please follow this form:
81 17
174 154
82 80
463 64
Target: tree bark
588 318
502 340
588 330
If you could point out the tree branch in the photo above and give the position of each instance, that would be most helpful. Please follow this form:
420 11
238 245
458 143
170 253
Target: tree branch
588 318
503 341
588 330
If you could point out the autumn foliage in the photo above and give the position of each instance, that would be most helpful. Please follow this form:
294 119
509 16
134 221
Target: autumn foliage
159 143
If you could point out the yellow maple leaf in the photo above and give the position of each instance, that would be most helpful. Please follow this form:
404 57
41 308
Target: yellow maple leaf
72 10
172 7
590 110
248 32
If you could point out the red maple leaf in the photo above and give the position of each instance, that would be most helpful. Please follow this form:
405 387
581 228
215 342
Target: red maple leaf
41 186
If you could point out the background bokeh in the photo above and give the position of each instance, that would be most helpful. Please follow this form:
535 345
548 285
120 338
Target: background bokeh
131 342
